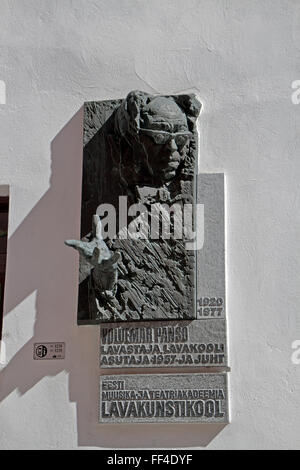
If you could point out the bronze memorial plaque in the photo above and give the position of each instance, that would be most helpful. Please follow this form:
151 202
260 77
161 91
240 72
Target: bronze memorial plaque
152 261
138 238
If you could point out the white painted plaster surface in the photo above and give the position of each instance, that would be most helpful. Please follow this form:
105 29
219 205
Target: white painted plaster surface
241 58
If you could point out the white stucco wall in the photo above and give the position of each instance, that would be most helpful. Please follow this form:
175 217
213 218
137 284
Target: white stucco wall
240 57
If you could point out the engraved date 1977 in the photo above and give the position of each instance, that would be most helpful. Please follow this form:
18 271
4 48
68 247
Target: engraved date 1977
210 306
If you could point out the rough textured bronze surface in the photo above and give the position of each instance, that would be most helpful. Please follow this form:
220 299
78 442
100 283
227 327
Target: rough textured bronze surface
144 148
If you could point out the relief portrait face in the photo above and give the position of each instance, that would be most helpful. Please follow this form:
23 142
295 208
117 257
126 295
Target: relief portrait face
165 136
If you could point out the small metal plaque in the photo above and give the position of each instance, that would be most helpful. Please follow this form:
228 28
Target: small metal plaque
211 257
164 398
49 351
197 343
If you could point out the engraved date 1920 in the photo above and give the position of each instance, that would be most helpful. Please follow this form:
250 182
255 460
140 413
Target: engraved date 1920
210 306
